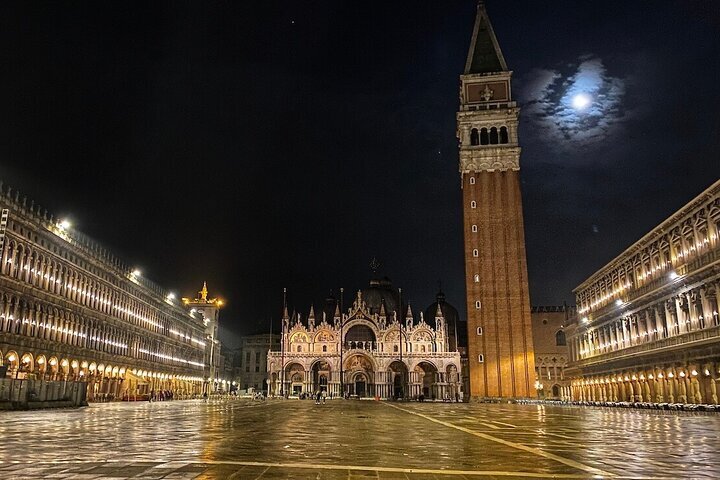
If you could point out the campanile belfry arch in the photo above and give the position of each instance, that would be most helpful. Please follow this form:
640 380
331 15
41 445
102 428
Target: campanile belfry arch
500 349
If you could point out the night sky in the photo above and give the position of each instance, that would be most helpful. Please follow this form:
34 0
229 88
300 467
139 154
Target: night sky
260 144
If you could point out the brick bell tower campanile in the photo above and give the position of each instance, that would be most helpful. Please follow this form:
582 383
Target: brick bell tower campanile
500 347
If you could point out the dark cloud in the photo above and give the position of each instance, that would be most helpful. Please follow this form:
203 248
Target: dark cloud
550 97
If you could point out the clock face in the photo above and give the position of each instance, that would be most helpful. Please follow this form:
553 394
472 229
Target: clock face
487 92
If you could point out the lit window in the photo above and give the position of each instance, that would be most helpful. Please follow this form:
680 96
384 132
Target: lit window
477 278
475 252
474 228
481 358
479 330
477 304
472 180
473 204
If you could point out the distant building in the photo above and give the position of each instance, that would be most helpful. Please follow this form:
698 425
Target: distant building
549 326
378 348
251 360
648 326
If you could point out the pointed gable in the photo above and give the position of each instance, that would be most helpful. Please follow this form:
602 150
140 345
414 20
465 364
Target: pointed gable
484 55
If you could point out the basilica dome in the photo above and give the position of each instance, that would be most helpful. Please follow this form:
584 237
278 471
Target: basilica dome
381 292
457 328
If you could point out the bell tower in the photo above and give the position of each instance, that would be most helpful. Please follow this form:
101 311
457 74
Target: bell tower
500 348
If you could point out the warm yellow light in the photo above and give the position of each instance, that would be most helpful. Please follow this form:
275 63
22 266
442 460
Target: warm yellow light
12 357
40 361
136 272
65 224
693 373
170 296
64 363
53 362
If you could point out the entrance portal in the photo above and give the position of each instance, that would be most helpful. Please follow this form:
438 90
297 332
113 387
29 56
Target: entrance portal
360 388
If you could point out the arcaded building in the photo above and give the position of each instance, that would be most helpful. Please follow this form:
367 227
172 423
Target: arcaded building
376 348
648 326
71 310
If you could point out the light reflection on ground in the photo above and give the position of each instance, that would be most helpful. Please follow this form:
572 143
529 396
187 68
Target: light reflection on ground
356 439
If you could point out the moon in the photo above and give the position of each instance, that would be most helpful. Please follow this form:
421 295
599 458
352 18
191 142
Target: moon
581 101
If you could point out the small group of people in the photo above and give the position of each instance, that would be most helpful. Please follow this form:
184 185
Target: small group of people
160 395
320 397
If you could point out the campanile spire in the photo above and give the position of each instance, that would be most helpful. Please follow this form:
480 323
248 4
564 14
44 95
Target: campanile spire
501 357
484 55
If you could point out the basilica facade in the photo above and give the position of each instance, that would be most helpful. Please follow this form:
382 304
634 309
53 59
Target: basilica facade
370 350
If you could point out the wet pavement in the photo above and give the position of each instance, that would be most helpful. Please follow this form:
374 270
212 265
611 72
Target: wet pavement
244 439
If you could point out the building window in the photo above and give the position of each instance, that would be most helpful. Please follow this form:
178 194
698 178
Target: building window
257 369
479 330
247 369
257 358
324 348
472 180
395 348
493 136
484 140
475 252
560 339
503 135
477 304
474 138
247 357
473 204
474 228
481 358
299 348
477 278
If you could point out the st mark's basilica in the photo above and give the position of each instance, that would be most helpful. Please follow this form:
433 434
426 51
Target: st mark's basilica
376 348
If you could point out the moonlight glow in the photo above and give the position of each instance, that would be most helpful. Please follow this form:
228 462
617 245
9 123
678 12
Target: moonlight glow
581 101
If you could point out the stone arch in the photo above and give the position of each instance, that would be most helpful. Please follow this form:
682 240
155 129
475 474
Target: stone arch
27 362
424 378
484 137
493 135
12 361
397 372
503 134
320 372
41 363
295 376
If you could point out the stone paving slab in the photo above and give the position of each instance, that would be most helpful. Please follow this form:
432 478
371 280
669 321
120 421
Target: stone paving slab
241 439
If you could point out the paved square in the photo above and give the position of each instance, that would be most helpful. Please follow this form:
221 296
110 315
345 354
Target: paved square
242 439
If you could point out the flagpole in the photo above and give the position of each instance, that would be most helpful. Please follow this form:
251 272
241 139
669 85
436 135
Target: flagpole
342 380
400 340
282 346
269 350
